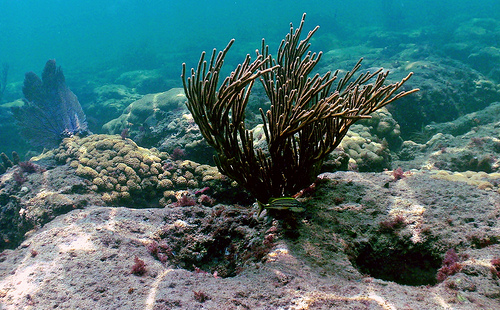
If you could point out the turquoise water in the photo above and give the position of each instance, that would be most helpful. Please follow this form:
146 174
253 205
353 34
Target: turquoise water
96 41
85 35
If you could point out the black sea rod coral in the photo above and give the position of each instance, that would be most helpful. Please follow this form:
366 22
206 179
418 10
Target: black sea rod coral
307 119
51 111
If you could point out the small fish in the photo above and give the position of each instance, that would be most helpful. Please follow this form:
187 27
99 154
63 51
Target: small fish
283 203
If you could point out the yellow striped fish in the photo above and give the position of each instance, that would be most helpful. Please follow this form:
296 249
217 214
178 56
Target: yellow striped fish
282 203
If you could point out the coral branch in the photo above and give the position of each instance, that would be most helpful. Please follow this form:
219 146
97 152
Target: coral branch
306 120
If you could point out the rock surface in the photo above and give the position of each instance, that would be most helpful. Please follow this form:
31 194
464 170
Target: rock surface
84 259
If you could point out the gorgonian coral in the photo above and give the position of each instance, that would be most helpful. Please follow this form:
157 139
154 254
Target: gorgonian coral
51 111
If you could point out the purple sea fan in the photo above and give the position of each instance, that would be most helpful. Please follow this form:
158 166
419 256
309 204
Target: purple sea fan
51 111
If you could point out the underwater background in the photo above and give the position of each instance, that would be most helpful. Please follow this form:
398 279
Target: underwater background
96 42
405 212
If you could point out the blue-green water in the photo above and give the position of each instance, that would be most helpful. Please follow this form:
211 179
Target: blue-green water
86 34
96 41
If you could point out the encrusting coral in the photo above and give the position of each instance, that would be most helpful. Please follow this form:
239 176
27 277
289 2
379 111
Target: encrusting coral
126 172
364 153
114 165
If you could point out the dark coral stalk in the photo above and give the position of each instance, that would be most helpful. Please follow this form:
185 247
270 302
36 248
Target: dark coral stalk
307 119
7 163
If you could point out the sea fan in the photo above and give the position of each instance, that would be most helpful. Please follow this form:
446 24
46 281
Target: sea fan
51 111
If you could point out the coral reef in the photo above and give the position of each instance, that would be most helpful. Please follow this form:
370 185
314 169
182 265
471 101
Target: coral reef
179 131
144 113
144 81
126 173
307 118
51 111
451 265
6 162
383 126
340 258
473 43
364 153
483 180
28 200
469 143
368 145
449 90
101 169
108 102
401 239
165 124
466 123
449 87
117 167
220 240
365 240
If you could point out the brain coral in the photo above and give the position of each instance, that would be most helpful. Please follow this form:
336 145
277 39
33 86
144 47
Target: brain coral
125 172
115 166
364 153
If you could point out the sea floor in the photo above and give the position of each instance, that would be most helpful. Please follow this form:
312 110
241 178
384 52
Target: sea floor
362 233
